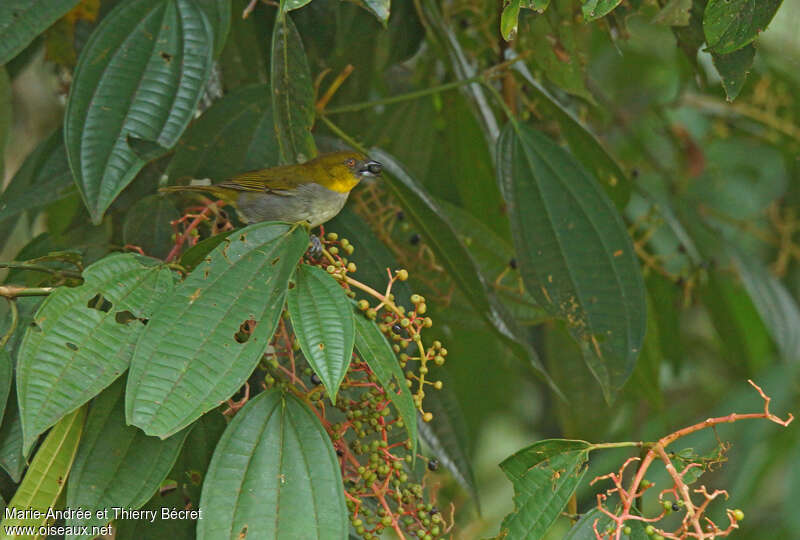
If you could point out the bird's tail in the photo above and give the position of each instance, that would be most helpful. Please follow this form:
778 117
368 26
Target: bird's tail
216 191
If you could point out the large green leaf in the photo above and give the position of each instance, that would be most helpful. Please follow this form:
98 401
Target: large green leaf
193 354
775 304
191 466
731 24
292 93
43 178
22 20
274 475
82 338
117 465
377 353
438 232
44 481
140 75
545 475
322 320
583 143
237 134
575 255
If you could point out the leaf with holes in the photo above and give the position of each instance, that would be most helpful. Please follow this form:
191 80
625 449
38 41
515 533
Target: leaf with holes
141 74
82 338
322 320
274 475
117 465
575 255
377 353
292 93
22 20
210 333
44 481
235 135
731 24
545 475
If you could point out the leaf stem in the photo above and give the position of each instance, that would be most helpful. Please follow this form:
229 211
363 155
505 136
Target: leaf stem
16 291
494 71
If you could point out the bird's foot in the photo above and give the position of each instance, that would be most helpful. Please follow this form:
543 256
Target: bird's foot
315 251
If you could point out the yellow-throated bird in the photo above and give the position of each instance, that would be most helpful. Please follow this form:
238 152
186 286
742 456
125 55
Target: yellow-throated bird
312 192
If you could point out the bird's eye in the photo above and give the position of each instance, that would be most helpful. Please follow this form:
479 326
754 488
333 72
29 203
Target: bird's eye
350 163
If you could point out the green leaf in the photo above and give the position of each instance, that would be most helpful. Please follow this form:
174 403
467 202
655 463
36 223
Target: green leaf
161 527
775 304
43 179
44 481
322 321
116 465
6 378
731 24
380 8
575 255
198 252
556 42
245 59
142 74
432 223
289 5
584 144
545 475
193 355
292 93
584 528
235 135
508 20
675 13
595 9
733 68
446 436
274 475
377 353
494 258
11 459
147 225
190 469
81 338
218 13
22 20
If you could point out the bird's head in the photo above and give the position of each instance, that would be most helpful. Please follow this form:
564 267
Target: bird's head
344 170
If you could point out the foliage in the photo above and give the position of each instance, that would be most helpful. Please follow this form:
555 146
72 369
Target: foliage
586 231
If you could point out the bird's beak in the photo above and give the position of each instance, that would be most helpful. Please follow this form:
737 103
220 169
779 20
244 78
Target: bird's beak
371 169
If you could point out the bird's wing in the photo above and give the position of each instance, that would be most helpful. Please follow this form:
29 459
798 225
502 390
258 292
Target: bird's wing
261 181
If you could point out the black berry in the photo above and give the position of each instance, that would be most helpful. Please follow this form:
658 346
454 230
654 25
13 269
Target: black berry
414 239
433 464
315 380
513 264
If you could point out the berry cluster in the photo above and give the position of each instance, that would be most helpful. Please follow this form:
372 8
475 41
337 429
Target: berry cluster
381 481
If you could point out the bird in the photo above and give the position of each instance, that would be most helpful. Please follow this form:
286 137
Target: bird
311 193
